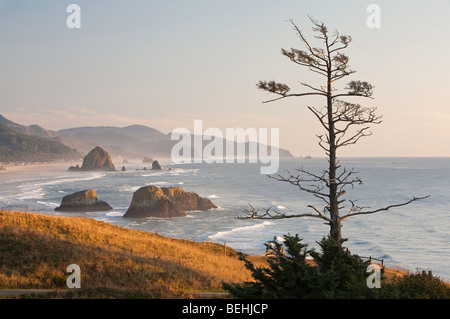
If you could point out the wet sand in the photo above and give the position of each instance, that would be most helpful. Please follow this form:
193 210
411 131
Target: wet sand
11 173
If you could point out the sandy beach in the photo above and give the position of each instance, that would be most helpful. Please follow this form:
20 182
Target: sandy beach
14 172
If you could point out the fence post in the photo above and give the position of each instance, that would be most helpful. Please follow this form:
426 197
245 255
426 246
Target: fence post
225 249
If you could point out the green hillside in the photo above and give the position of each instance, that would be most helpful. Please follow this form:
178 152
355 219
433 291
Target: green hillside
17 147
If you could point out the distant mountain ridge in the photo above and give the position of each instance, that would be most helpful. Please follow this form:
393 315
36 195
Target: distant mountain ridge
132 130
34 130
134 141
129 142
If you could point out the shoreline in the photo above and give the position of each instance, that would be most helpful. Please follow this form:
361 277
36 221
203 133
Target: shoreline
42 171
12 173
24 166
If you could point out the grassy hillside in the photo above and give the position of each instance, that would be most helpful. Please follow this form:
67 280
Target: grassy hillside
17 147
35 251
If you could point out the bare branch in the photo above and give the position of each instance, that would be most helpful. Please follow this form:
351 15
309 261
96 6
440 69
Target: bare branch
344 180
273 214
313 88
318 72
315 186
320 116
359 210
355 138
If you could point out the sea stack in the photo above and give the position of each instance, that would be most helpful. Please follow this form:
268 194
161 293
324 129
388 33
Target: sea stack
166 202
147 159
156 166
96 160
83 201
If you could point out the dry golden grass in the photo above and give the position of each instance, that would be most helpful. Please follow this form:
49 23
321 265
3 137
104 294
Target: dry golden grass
393 272
36 249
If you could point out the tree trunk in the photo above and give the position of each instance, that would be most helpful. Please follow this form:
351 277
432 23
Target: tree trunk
335 224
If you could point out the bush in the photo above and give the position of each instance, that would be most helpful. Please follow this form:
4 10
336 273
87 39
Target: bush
415 286
338 274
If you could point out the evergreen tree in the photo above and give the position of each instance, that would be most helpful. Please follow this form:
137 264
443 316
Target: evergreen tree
334 273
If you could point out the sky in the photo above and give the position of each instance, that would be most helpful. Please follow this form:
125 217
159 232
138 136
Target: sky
167 63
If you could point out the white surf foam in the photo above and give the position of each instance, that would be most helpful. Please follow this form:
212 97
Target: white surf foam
115 214
227 233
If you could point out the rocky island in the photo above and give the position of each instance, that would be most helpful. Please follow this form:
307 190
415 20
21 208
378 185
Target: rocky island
156 166
96 160
147 159
83 201
166 202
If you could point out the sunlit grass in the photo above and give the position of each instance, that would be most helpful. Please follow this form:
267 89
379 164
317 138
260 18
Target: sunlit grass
35 251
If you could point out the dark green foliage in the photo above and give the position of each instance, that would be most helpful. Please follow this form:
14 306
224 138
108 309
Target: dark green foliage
344 275
415 286
335 274
338 274
17 147
283 278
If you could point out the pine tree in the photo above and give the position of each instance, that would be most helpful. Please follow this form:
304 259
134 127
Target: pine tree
335 273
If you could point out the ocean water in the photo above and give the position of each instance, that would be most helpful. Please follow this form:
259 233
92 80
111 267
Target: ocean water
414 237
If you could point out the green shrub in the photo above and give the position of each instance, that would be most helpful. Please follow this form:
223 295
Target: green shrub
338 274
415 286
335 274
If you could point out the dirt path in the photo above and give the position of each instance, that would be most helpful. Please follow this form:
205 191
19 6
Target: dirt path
17 292
208 295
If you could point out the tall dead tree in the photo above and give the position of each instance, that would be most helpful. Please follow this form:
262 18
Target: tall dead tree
344 124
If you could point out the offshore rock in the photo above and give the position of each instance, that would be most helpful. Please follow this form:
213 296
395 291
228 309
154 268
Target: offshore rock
166 202
147 159
156 166
83 201
96 160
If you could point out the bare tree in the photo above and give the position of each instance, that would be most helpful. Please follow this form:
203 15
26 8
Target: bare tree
344 124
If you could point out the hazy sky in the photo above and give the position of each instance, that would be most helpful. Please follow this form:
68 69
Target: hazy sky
166 63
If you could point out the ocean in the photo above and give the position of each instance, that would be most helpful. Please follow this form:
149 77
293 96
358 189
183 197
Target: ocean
413 237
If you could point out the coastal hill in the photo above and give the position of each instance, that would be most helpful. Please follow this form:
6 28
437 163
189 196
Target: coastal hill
118 262
129 142
17 147
34 130
115 262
